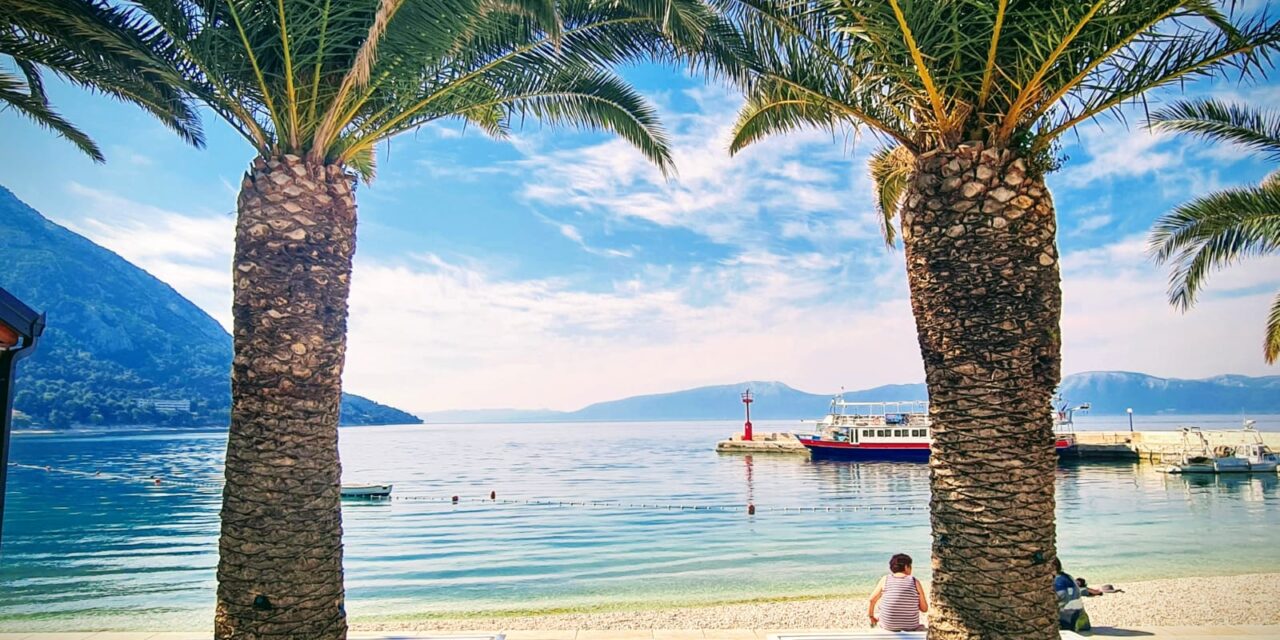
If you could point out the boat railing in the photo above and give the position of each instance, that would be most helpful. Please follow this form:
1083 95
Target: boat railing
877 409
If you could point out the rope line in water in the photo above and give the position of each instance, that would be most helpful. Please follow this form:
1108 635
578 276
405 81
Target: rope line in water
750 508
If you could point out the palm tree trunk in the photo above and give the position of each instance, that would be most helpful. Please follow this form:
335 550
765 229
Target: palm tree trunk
280 564
983 270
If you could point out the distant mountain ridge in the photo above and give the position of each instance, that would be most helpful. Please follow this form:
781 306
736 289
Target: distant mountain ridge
1109 392
121 347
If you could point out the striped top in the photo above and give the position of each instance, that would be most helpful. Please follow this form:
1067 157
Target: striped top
899 607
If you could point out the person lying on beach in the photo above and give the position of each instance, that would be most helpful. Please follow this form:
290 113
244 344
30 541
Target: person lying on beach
1089 591
900 598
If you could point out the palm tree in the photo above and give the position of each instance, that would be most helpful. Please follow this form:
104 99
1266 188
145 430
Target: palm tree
1226 226
93 44
969 97
315 86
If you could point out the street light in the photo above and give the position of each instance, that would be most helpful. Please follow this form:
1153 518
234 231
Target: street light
1130 411
20 329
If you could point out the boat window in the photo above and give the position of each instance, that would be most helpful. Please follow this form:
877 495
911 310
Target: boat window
883 433
868 433
897 433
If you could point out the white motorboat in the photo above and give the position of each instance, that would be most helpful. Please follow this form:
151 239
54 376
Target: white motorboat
1256 452
1251 456
366 490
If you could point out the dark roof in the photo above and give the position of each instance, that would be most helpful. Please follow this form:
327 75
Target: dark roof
19 316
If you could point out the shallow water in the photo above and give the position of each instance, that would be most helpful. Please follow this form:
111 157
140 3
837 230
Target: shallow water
83 552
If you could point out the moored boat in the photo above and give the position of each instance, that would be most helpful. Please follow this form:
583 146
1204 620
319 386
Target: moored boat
366 490
1250 456
893 431
1253 450
1197 457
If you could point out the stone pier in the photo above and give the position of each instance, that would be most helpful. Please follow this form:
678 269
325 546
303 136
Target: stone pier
777 442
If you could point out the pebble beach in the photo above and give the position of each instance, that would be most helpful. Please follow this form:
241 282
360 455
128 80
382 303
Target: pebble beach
1252 599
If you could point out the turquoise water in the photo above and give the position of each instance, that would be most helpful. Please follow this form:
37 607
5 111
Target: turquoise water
83 552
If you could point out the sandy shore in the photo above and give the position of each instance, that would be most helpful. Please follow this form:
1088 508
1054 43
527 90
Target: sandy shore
1227 600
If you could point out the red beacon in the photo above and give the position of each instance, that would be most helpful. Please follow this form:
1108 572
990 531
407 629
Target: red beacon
746 429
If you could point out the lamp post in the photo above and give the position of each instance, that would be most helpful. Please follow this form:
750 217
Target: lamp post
1130 412
20 329
746 429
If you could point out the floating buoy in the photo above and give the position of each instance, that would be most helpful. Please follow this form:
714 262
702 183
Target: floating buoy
455 499
751 509
493 495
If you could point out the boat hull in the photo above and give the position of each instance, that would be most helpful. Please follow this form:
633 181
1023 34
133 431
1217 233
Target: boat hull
835 451
828 450
366 490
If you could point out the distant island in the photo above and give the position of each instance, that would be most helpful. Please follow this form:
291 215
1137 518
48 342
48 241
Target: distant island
122 347
1108 392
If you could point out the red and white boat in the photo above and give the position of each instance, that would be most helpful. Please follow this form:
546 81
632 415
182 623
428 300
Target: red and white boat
896 431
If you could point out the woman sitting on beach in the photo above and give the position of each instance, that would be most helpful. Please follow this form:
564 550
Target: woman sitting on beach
900 598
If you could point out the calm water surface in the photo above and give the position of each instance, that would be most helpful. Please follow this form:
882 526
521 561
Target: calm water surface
81 552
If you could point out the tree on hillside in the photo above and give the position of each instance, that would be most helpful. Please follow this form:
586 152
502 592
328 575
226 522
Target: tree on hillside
315 86
95 45
969 97
1227 226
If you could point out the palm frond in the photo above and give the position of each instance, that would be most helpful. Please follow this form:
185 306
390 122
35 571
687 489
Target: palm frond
330 80
891 169
15 95
1215 121
100 46
934 74
1211 232
1271 347
780 110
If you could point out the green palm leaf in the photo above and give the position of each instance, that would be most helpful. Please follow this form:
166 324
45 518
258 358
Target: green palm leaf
1213 231
934 74
330 80
1219 122
1224 227
1271 347
891 169
99 46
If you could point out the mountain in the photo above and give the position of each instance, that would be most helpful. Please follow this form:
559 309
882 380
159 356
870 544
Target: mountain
1115 391
1109 392
121 346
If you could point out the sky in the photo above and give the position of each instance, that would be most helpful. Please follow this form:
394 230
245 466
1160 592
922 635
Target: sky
558 268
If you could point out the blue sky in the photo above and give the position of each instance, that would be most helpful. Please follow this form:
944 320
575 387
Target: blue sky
557 268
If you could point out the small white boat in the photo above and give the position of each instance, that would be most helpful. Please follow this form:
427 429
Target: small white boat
1254 451
366 490
1196 455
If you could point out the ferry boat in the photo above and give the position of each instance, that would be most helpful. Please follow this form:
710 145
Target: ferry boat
895 431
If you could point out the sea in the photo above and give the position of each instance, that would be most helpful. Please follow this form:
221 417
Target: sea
587 517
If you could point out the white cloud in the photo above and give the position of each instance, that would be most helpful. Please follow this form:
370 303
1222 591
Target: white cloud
1091 223
189 252
730 200
1115 151
436 335
1116 315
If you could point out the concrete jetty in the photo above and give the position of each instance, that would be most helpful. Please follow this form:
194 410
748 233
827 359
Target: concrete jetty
1151 446
1145 446
776 442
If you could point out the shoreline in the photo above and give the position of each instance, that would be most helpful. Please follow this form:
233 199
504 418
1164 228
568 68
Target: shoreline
1212 601
1248 599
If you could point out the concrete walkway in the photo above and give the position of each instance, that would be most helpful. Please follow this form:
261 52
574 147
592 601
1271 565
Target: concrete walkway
1148 633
